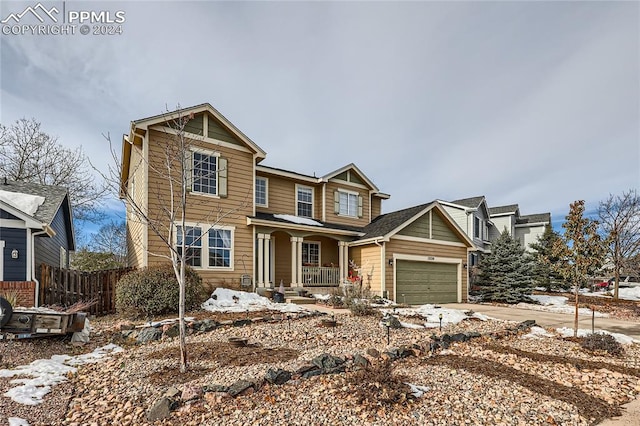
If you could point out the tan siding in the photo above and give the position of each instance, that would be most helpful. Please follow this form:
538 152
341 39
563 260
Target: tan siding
369 261
442 229
344 220
229 211
282 196
282 258
376 207
135 229
425 249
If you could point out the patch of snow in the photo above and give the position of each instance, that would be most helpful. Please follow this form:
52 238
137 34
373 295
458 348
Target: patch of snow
432 314
226 300
17 421
297 219
322 296
27 203
447 352
411 325
417 390
537 333
556 304
627 293
167 321
46 373
621 338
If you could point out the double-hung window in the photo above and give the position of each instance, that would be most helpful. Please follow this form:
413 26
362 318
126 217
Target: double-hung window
205 177
208 173
476 227
261 192
220 248
304 201
348 203
193 244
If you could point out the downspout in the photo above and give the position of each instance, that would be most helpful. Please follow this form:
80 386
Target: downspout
33 265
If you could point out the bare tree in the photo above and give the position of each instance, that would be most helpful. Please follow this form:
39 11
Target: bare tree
620 224
29 154
580 251
107 249
175 173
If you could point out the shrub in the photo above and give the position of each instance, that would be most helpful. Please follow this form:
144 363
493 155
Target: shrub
598 342
10 296
155 291
361 308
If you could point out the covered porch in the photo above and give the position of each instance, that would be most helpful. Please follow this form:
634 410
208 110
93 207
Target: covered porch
300 261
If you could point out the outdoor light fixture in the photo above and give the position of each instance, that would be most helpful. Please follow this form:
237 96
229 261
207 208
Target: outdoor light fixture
14 253
390 262
440 317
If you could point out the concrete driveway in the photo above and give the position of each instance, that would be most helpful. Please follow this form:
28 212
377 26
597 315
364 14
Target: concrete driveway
549 319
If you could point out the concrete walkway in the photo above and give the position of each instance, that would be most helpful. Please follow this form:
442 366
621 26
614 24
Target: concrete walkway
549 319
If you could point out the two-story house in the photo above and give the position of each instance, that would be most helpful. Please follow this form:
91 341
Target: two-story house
473 217
245 219
524 228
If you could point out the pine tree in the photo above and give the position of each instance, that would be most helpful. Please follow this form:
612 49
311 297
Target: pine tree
543 273
506 273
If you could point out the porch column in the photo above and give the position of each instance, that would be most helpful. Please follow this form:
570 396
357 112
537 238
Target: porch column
341 256
294 261
267 260
260 260
299 262
345 261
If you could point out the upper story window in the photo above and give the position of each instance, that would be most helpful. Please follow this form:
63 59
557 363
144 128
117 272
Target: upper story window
208 173
261 192
348 203
476 227
304 202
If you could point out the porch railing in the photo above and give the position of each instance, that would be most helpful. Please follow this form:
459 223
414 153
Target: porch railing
320 276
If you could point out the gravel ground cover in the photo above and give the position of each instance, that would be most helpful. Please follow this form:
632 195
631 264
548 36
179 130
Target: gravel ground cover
496 379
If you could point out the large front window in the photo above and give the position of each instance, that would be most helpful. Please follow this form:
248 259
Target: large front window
204 173
311 254
305 201
206 246
348 204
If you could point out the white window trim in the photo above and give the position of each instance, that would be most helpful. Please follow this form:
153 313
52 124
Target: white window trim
319 251
1 260
204 245
266 192
210 153
313 196
357 194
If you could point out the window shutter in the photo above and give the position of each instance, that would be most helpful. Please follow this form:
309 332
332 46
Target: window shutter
359 205
222 176
336 202
188 169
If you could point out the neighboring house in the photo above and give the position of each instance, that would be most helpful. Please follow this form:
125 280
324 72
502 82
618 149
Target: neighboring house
472 216
526 229
279 226
36 227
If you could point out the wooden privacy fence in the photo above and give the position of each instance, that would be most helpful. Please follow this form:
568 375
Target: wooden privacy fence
64 287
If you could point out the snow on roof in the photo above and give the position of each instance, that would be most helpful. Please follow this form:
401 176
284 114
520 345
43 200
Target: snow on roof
297 219
26 203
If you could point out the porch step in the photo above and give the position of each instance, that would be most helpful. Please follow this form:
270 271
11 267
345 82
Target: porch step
301 300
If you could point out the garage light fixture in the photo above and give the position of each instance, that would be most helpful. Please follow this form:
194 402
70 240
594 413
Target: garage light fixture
391 262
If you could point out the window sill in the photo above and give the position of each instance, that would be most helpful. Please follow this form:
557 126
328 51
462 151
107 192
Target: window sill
204 194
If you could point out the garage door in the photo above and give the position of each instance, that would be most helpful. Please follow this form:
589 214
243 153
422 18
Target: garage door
426 282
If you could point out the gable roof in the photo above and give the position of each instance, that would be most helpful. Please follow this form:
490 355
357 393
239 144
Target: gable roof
472 202
387 225
537 218
54 196
353 167
511 208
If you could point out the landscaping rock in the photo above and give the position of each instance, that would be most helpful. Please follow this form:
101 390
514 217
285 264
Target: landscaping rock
161 409
170 330
240 387
391 322
149 334
215 388
191 392
327 362
360 362
373 353
205 325
277 376
242 322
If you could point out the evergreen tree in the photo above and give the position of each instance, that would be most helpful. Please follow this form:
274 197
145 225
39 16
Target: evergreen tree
506 273
544 275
